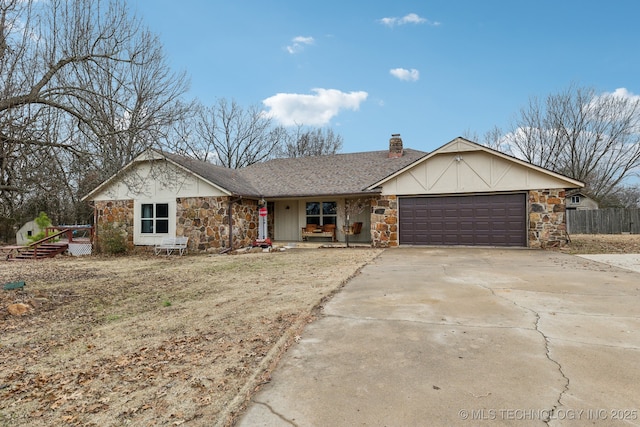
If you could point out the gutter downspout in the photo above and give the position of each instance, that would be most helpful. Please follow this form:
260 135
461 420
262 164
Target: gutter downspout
230 214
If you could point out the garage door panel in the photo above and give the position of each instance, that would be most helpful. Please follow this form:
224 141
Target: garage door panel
487 220
499 212
466 239
421 226
466 226
512 226
451 239
465 212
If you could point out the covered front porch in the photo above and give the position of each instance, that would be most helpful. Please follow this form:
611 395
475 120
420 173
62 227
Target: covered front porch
287 219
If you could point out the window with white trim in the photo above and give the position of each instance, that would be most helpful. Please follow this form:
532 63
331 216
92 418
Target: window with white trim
575 199
322 213
154 218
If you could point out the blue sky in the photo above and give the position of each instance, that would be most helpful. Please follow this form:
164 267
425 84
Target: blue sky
429 70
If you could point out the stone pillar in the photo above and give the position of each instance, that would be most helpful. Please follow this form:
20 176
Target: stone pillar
384 222
547 219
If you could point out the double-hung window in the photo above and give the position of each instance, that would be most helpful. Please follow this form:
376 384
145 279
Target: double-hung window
154 218
322 213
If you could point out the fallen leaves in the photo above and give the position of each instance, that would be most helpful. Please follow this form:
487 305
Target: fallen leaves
99 348
18 309
604 244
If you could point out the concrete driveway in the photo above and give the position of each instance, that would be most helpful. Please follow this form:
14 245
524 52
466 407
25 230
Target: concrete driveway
466 337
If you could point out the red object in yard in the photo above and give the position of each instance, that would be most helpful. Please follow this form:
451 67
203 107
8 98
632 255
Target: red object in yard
263 243
262 212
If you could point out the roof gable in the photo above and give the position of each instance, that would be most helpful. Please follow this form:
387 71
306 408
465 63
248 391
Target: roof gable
186 175
464 166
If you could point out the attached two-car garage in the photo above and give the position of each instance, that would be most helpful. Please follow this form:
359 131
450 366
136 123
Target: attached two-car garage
471 220
470 195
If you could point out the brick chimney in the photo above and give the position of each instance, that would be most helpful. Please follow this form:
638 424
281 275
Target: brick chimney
395 146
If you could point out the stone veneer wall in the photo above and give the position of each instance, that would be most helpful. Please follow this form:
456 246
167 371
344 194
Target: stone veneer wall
384 222
205 220
547 219
116 214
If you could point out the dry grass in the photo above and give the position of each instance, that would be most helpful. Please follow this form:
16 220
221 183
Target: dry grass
147 340
604 244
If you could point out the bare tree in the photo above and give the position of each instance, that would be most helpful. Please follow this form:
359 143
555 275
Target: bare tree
231 136
80 77
88 61
625 196
304 141
493 139
592 138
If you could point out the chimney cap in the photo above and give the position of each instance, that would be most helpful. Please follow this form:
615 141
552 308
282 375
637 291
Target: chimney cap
395 135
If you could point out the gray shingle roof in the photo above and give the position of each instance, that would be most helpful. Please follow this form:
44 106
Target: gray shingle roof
229 179
325 175
338 174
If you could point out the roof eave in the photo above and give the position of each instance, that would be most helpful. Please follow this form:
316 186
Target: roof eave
213 184
108 181
144 157
316 194
573 182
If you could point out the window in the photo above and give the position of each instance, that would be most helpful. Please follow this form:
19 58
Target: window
155 218
322 213
575 199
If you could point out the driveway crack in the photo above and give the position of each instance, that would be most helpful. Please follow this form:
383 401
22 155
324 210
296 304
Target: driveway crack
547 351
277 414
551 359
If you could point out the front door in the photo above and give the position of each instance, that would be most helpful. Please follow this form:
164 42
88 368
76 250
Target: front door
285 221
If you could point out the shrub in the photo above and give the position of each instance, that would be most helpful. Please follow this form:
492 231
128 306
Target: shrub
113 240
42 221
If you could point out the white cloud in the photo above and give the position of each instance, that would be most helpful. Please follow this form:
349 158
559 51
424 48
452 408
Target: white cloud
623 93
299 43
411 75
302 39
291 109
615 106
411 18
389 22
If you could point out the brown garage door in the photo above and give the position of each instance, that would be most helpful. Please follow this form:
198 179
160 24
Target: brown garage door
476 220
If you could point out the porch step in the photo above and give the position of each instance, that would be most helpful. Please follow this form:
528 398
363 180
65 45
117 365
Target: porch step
45 250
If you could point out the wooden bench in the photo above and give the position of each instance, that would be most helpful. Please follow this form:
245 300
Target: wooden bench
170 244
312 230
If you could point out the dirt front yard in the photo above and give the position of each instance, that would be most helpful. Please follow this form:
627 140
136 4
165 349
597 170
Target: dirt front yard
604 244
147 341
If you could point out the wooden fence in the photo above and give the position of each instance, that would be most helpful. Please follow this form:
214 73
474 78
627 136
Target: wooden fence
603 221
